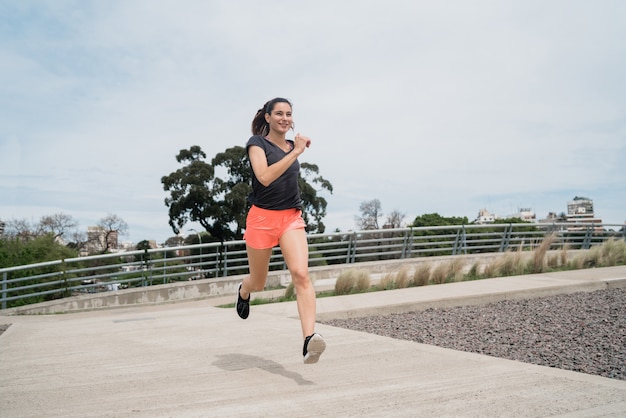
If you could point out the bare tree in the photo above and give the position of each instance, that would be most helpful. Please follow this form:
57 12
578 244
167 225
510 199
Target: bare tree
394 220
57 224
78 240
105 235
370 212
20 228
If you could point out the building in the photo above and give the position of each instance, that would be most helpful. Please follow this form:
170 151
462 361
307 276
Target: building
2 225
580 210
484 217
525 214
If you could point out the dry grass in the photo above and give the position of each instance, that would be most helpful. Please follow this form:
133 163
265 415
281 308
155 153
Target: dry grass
457 267
563 254
610 253
421 275
474 272
491 269
388 281
439 273
613 252
553 261
290 291
510 264
402 278
448 272
345 282
363 281
352 281
538 262
398 280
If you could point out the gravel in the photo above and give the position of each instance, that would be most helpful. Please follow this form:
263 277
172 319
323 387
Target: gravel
4 327
583 332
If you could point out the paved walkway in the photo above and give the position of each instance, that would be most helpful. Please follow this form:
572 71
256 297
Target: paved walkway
194 359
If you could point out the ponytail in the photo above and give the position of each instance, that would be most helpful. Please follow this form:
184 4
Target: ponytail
259 124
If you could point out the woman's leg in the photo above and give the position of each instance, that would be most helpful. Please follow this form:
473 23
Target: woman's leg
295 249
258 261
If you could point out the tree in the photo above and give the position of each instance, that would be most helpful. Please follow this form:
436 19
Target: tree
434 219
313 206
174 241
17 252
58 224
370 212
105 235
20 229
220 204
234 190
394 220
194 194
143 245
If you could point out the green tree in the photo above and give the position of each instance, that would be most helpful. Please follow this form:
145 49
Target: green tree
197 195
17 252
143 245
434 219
314 206
220 204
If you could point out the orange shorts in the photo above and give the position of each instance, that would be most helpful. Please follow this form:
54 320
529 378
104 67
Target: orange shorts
264 227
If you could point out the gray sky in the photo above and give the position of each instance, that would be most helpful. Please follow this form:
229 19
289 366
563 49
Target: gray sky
428 106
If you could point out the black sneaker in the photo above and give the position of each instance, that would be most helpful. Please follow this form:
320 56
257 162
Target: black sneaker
243 305
314 346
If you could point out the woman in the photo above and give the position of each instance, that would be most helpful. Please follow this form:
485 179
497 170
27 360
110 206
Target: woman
275 217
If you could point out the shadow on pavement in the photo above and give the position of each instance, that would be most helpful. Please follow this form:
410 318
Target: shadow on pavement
238 362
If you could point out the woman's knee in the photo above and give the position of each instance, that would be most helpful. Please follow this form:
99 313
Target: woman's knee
300 277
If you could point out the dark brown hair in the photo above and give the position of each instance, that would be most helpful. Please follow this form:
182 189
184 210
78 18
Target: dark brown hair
259 124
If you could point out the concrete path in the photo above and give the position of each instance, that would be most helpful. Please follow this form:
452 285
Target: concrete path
194 359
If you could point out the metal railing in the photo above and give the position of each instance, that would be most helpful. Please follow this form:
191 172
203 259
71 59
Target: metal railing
39 282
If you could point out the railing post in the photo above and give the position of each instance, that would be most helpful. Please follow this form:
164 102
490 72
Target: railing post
225 264
349 249
352 248
164 263
463 246
587 239
405 246
4 290
65 283
506 236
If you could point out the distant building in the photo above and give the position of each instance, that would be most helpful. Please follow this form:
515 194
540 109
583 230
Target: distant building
580 210
525 214
2 225
553 217
485 217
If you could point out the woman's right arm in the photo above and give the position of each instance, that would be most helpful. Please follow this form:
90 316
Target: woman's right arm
267 174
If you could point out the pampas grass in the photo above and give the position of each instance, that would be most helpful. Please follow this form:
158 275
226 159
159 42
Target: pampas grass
352 281
421 274
538 261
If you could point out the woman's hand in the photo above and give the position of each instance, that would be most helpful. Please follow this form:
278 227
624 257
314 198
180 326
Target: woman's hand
301 142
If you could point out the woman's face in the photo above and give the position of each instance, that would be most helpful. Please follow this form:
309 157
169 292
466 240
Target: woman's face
280 120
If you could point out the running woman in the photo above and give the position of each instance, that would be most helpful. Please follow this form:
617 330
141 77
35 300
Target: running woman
275 217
